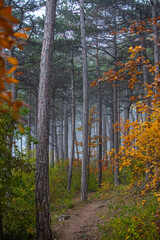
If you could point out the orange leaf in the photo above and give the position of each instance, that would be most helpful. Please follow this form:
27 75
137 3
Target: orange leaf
11 70
26 29
9 93
18 103
4 43
6 12
18 73
5 97
2 87
20 35
21 128
20 47
12 60
11 80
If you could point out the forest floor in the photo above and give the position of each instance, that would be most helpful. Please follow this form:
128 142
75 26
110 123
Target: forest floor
117 213
82 220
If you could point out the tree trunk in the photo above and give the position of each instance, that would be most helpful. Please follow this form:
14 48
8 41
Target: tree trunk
111 131
43 227
104 147
29 122
53 129
73 123
85 104
145 81
65 130
154 4
21 143
61 152
100 120
1 225
145 69
36 112
77 150
56 142
89 153
115 103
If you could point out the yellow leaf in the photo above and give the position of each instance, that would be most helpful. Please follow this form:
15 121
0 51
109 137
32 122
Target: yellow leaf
143 202
127 237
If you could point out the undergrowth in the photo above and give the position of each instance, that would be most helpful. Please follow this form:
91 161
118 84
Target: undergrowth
60 199
130 216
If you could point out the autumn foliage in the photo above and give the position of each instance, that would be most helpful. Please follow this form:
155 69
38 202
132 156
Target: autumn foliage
139 152
141 139
9 39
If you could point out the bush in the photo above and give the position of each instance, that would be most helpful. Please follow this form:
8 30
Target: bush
16 184
133 220
59 197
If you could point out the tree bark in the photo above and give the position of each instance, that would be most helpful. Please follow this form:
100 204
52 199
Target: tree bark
100 121
36 111
145 69
65 130
85 104
53 129
61 152
29 122
89 153
1 225
56 142
154 4
43 227
104 127
115 103
73 124
111 131
77 150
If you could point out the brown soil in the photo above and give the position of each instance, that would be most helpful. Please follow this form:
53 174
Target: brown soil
83 221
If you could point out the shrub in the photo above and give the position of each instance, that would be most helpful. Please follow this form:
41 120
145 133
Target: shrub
16 184
132 219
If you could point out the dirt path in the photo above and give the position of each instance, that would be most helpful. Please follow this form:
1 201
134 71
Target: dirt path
82 223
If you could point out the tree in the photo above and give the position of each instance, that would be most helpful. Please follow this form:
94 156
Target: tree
115 100
73 122
42 158
100 121
85 104
154 5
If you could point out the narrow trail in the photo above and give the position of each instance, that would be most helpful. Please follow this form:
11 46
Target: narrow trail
82 223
